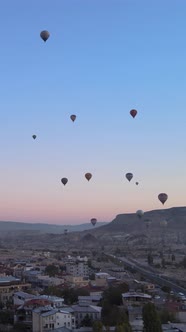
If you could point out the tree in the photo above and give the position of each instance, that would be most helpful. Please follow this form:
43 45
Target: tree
166 289
89 263
19 327
87 321
123 328
151 321
112 314
184 262
113 294
166 316
92 276
150 259
51 270
163 263
70 295
97 326
173 258
6 317
53 290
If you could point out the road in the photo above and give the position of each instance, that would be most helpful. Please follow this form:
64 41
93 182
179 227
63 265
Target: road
152 276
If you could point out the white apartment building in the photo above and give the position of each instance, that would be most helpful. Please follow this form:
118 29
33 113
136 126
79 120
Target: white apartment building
48 319
79 267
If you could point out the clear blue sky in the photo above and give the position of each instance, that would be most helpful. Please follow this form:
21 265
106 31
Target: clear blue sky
103 58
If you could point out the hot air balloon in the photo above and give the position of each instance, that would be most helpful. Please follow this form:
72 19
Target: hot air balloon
137 183
162 197
73 117
129 176
34 136
133 113
140 213
64 181
88 176
93 221
44 35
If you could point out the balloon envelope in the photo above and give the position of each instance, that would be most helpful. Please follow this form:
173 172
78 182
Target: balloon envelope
129 176
137 183
73 117
64 181
133 113
162 197
34 136
93 221
140 213
44 35
88 176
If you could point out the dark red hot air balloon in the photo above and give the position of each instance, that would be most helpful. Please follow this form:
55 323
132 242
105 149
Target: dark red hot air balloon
93 221
64 181
133 113
44 35
162 197
73 117
88 176
129 176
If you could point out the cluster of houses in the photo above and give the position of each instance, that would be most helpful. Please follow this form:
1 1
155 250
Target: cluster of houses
43 313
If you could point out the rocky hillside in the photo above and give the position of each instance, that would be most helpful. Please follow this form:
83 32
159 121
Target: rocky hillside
123 229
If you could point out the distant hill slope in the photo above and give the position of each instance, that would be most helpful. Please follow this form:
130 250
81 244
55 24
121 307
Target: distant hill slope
11 226
129 222
124 228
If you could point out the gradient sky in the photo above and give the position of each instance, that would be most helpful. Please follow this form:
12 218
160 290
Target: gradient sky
103 58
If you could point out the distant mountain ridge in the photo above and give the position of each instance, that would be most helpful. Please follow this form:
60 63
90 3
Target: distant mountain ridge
129 222
125 228
6 226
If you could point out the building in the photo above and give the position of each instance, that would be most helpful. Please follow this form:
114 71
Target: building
76 281
8 286
79 267
130 298
19 298
48 318
146 286
46 281
84 309
178 308
23 314
91 299
55 301
101 279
